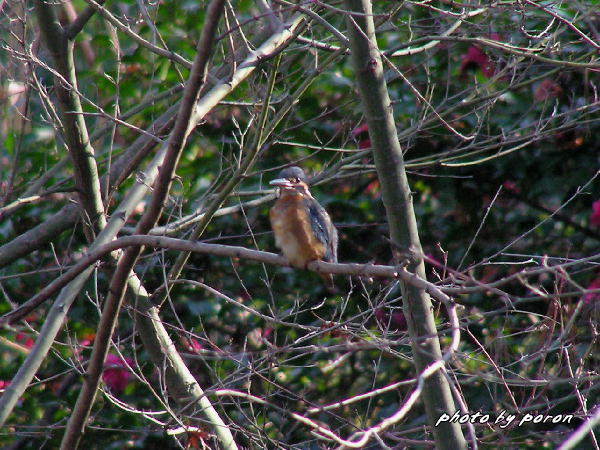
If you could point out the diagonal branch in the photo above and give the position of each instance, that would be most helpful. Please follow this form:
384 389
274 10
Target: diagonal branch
270 48
118 284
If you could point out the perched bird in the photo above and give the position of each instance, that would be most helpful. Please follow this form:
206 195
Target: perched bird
303 229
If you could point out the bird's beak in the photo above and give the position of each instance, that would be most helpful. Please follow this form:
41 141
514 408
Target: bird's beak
281 182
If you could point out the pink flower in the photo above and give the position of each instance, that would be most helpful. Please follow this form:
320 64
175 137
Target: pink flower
595 217
592 297
116 374
547 89
86 341
267 332
194 346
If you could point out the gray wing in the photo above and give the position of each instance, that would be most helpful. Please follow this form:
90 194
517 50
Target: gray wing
324 230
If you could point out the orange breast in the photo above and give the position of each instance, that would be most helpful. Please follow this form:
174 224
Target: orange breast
293 232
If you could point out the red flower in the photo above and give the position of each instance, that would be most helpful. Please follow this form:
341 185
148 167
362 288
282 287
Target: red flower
373 188
361 134
24 340
394 323
478 59
595 217
511 186
116 374
196 439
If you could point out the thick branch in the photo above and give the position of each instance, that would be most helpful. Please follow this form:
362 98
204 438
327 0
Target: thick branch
82 19
75 129
397 200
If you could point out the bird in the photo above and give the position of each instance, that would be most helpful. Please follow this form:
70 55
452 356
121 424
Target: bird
302 227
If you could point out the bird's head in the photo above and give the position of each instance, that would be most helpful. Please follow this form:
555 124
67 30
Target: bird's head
291 180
